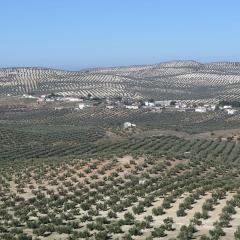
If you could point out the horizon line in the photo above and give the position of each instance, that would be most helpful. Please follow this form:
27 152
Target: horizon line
116 66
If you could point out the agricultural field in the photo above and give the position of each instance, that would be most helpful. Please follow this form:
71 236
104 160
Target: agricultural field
180 80
68 175
22 113
161 187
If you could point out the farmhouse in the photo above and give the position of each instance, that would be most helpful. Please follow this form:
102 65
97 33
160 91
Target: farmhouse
128 125
81 106
231 111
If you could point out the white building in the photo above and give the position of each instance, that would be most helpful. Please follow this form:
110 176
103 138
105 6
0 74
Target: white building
81 106
58 108
110 107
128 125
227 107
163 103
201 109
72 99
134 107
149 104
231 111
28 96
180 105
213 107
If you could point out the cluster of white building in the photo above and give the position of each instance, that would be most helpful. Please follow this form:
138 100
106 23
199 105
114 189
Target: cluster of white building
228 109
82 106
52 98
45 98
205 108
152 105
183 107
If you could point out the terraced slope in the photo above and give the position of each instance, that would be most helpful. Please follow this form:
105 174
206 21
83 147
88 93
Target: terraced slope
185 80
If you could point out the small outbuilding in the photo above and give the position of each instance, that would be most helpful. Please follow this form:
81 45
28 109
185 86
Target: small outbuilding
81 106
128 125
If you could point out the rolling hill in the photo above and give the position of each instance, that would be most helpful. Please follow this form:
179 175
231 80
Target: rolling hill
183 80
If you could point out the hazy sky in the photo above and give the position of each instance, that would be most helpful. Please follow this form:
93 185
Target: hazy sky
74 34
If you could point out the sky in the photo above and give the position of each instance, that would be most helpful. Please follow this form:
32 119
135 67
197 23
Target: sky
76 34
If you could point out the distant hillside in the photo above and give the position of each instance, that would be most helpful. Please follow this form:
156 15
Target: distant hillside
186 80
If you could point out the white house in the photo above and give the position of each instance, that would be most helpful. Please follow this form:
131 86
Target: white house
81 106
201 109
28 96
110 107
72 99
227 107
128 125
58 108
134 107
149 104
230 111
213 107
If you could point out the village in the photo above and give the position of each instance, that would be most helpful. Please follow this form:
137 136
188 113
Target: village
160 106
